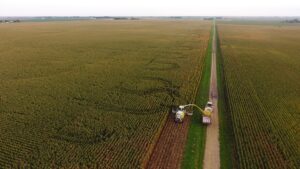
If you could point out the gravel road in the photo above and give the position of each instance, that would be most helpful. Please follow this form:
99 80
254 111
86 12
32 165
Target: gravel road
212 146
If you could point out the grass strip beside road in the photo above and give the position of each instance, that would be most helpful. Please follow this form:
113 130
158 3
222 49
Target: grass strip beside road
194 148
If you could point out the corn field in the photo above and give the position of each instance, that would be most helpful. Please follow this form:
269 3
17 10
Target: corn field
93 94
261 67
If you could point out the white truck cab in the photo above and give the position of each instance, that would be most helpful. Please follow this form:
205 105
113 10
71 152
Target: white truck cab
209 104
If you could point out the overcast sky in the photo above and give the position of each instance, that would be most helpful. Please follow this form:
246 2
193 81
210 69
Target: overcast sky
149 7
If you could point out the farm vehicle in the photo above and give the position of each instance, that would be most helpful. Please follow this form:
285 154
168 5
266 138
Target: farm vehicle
183 110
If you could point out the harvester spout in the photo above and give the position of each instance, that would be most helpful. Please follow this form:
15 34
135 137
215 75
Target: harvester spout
204 112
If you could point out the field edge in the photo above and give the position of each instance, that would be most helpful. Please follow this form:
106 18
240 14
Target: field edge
225 131
147 157
194 147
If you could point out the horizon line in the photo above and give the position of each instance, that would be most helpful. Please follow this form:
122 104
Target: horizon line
151 16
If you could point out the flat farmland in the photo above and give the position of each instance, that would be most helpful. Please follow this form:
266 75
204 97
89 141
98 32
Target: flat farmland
94 94
261 66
